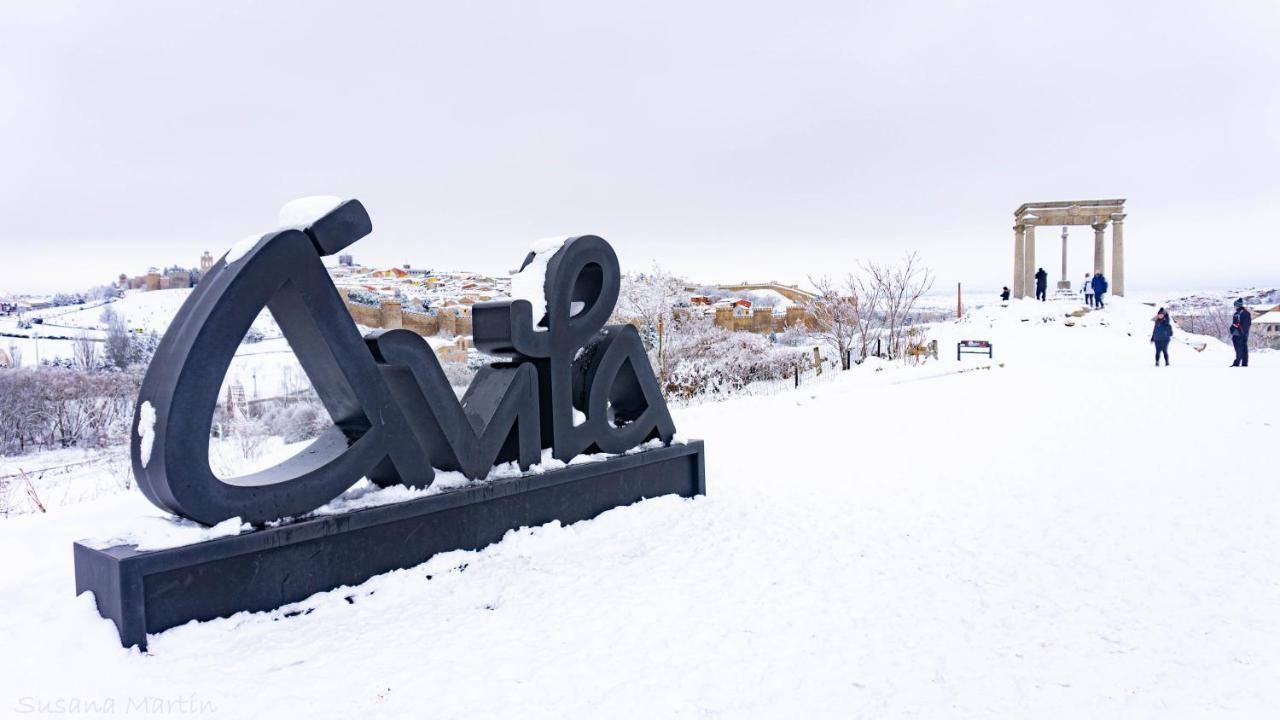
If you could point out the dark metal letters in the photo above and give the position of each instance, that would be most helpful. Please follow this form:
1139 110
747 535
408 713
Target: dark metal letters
568 382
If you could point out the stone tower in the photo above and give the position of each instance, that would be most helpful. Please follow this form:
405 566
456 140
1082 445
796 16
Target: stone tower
206 262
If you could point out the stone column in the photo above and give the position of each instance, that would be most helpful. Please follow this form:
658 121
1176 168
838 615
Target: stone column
1117 254
1017 288
1064 283
1098 258
1029 274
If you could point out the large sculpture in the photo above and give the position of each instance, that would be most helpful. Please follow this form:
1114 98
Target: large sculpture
1095 213
568 383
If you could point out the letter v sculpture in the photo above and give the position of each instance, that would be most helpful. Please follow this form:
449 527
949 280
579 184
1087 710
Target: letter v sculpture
565 384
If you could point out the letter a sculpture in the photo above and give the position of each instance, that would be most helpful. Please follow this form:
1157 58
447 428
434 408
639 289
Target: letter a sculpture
567 383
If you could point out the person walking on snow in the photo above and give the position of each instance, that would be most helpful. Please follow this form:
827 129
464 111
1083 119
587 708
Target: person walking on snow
1087 290
1004 295
1099 285
1042 282
1240 323
1161 334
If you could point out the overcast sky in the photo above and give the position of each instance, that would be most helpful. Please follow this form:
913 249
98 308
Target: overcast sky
728 141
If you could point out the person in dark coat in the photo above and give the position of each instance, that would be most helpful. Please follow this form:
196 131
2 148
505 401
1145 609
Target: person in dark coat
1004 295
1161 334
1240 323
1042 283
1099 287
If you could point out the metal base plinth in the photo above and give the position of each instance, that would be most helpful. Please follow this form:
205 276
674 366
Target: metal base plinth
148 592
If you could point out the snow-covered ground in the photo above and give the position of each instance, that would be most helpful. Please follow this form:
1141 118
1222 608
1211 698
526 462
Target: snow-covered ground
68 476
152 310
144 311
1065 531
265 369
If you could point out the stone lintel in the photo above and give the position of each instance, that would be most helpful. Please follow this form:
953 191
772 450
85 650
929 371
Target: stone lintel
1081 219
1087 207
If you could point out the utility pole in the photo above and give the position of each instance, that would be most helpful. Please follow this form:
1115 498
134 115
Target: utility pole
959 307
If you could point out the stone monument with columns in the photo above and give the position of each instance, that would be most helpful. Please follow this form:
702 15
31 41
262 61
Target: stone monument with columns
1096 213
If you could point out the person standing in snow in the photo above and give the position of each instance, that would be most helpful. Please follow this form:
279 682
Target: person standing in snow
1042 283
1004 295
1099 285
1161 334
1240 323
1087 290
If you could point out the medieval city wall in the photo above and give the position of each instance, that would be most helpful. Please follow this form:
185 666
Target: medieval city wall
390 315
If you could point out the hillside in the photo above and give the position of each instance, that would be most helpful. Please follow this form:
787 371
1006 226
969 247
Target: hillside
148 311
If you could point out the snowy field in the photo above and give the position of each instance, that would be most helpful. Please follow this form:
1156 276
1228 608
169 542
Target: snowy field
1065 531
152 310
264 369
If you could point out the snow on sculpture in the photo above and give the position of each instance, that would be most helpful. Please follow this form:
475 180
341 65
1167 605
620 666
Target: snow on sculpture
395 415
567 383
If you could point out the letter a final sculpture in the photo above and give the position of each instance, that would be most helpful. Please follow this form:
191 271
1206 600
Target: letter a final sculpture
568 382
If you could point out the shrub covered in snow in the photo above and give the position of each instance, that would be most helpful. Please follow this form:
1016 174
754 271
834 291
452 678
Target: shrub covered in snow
360 297
461 374
795 336
296 421
1215 320
64 299
707 360
56 407
123 347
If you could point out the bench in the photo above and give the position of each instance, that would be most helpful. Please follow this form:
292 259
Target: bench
978 347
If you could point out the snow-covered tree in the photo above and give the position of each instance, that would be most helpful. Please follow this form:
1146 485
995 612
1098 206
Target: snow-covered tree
85 352
835 317
899 287
648 301
116 347
866 297
124 348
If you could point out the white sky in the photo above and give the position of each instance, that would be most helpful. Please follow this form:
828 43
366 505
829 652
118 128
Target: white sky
729 141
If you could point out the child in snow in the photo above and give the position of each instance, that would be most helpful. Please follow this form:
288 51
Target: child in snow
1161 334
1087 290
